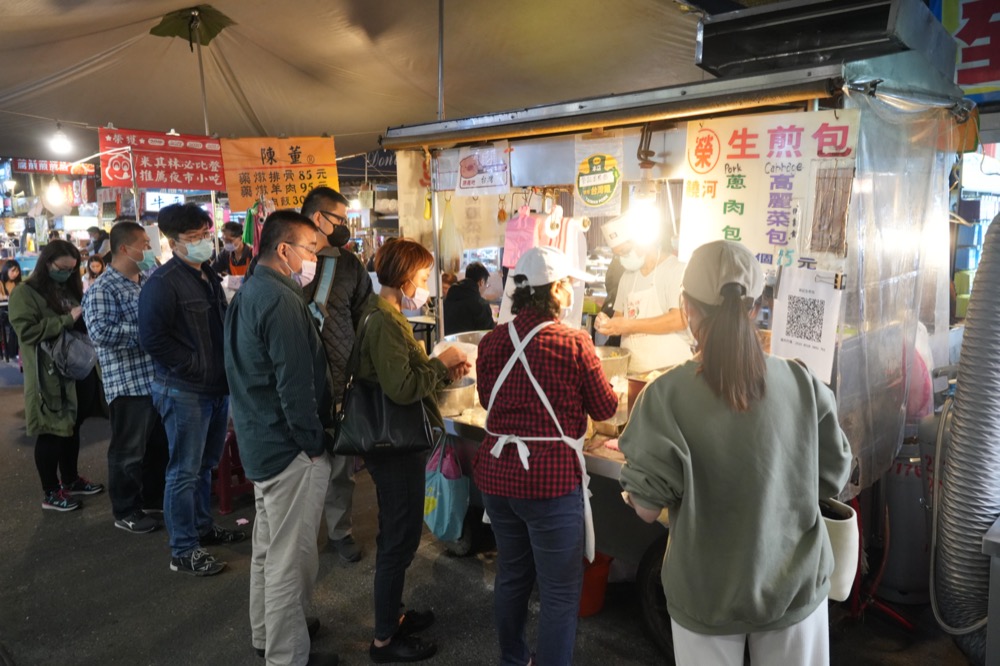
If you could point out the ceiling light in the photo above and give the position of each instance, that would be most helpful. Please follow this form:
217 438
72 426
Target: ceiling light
60 143
54 193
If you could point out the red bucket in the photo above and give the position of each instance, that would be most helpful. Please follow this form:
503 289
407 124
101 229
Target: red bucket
595 584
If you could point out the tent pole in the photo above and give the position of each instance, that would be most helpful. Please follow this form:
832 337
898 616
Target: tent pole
204 113
440 60
436 235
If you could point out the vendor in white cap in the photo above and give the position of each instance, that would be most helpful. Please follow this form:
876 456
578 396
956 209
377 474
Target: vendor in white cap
647 306
540 380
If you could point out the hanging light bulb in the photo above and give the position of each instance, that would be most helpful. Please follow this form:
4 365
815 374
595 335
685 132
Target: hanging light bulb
60 143
54 193
644 212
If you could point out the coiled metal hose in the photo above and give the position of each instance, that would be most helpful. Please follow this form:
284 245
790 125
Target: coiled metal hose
969 501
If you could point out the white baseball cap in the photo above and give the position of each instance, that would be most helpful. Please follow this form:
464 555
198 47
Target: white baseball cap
545 265
616 232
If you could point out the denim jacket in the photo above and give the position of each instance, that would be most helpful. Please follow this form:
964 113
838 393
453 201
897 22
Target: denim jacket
180 326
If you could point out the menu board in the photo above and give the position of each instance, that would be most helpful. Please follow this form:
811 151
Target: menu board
778 183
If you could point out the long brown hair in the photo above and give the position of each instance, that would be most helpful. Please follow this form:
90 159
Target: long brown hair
732 359
42 282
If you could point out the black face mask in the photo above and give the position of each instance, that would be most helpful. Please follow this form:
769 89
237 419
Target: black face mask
340 235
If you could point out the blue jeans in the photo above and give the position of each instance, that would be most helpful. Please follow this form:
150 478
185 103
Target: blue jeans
539 539
196 433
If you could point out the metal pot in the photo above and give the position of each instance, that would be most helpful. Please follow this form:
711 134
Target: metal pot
458 397
614 361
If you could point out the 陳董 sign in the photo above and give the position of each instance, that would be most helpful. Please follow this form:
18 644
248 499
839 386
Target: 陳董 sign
282 170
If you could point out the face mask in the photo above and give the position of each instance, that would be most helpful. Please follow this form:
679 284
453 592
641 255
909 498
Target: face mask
632 261
60 276
229 247
339 236
307 273
418 300
148 260
200 252
567 308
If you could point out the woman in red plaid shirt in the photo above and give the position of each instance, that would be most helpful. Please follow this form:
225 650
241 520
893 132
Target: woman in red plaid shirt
540 380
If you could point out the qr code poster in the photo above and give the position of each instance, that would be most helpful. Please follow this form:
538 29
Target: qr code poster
804 322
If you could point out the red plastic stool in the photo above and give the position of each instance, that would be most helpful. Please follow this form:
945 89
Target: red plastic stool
230 479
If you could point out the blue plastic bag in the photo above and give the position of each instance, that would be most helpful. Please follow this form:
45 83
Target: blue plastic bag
446 496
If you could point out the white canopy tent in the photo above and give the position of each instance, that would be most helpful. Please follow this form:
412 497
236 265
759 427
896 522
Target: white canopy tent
348 68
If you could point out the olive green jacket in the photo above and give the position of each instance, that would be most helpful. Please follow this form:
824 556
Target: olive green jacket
45 411
391 356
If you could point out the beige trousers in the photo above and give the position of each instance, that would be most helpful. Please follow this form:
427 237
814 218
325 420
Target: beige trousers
285 558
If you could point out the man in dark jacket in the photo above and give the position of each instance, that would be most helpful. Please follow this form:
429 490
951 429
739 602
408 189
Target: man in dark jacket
277 371
337 296
465 309
181 311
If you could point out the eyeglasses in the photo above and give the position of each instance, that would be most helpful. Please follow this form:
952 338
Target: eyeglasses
310 250
340 218
194 236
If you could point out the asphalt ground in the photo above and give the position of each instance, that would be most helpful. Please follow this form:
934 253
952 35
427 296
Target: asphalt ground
75 590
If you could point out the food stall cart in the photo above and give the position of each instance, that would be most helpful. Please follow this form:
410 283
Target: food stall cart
885 263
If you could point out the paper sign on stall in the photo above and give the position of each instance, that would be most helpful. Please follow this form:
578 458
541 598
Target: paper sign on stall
483 170
281 170
805 317
598 175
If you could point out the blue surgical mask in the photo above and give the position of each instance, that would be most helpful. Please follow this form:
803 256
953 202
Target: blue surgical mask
200 252
60 276
148 260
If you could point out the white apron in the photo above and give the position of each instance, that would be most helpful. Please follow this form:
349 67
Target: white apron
522 448
651 352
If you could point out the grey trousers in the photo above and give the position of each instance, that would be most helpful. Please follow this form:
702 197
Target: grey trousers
285 558
340 497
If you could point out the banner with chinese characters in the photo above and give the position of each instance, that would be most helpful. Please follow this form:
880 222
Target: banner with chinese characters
780 184
282 170
23 165
483 170
975 24
160 161
598 188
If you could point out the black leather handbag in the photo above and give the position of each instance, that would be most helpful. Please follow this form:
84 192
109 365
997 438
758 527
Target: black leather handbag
369 422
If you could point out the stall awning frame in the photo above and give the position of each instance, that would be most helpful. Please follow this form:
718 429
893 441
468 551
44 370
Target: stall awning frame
675 102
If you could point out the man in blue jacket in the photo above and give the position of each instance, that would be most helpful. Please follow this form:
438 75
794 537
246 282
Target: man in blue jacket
281 407
181 312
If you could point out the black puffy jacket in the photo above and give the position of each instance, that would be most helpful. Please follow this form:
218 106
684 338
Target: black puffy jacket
350 291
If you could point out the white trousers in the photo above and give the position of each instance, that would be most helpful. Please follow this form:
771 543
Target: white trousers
285 558
806 643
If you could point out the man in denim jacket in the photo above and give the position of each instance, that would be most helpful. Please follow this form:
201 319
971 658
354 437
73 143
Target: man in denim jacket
181 313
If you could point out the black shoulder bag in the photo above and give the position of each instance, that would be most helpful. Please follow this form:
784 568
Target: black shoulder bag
369 422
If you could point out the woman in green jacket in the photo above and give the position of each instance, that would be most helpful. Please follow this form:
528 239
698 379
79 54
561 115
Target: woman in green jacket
391 356
54 407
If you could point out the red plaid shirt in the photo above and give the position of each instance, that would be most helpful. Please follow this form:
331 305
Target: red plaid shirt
568 370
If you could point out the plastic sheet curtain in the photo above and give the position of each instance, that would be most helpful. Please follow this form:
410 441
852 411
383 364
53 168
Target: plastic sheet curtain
897 267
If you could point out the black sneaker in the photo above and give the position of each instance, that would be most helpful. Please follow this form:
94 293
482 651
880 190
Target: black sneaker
347 548
60 500
409 648
414 622
198 563
83 487
220 535
137 522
